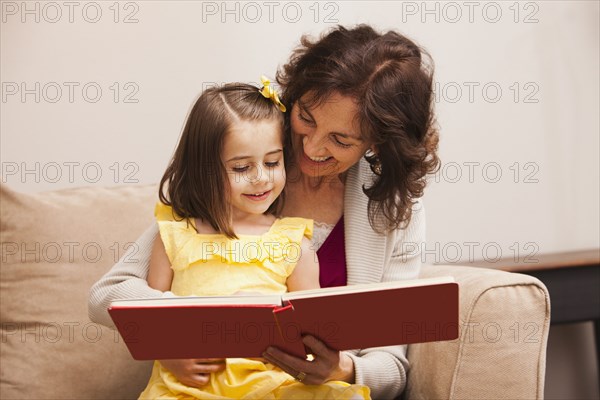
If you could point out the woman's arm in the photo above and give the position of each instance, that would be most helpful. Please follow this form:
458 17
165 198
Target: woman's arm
384 369
407 255
125 280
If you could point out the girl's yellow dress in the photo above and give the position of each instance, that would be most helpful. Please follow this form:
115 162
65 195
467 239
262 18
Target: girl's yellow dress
213 265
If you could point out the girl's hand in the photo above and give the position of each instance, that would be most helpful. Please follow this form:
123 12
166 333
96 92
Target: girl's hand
327 365
194 372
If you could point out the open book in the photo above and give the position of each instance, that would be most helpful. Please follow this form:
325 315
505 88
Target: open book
345 317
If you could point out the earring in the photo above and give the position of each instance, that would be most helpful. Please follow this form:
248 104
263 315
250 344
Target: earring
376 167
374 161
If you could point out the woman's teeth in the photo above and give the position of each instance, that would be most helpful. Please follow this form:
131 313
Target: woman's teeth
319 159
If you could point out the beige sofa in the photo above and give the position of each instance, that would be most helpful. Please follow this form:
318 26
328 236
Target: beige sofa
55 245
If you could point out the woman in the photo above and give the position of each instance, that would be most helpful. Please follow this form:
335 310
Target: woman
361 141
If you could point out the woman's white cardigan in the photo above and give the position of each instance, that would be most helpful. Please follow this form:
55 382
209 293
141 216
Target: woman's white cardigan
370 257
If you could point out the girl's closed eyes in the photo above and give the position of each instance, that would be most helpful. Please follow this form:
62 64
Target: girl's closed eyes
244 168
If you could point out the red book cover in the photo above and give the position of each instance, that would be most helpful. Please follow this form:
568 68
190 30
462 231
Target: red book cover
377 318
349 317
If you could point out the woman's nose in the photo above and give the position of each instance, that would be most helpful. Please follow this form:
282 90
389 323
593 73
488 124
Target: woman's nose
311 144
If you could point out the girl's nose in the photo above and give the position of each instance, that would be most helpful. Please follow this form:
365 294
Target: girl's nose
259 175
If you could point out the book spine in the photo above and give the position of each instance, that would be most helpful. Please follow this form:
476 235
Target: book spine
290 335
283 308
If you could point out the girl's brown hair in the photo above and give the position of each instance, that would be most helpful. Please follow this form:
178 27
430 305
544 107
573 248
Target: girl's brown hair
195 183
391 79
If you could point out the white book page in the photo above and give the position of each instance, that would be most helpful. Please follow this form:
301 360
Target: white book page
366 287
275 299
267 299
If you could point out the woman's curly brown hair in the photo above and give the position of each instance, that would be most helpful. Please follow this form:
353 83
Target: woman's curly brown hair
391 80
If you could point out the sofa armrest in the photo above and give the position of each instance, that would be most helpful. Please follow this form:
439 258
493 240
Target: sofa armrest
504 321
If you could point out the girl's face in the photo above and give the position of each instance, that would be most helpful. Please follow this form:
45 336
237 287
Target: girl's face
253 159
326 138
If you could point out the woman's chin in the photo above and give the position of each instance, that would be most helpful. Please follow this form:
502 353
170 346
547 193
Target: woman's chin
315 172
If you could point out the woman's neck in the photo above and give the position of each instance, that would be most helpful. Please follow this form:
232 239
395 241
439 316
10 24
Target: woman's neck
319 199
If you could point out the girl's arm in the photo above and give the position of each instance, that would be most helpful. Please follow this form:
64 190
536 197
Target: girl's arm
127 280
192 372
160 274
306 273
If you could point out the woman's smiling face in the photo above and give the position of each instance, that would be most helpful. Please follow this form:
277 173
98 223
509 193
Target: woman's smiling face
326 137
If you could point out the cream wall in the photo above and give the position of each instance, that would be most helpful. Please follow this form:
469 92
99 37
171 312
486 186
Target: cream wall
95 93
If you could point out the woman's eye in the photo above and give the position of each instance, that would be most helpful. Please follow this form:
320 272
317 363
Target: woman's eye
341 144
272 164
303 118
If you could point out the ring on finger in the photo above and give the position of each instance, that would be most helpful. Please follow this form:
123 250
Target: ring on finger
300 376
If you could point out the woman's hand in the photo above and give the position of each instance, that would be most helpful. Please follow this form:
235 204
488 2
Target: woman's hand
194 372
327 365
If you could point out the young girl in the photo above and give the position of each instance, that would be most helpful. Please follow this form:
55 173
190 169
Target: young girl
219 234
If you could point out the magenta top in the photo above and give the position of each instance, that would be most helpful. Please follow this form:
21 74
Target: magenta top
332 258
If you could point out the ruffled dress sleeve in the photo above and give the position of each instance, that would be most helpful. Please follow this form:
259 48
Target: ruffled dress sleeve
278 250
286 236
175 233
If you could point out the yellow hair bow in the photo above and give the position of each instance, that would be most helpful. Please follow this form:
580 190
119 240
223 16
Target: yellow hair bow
270 93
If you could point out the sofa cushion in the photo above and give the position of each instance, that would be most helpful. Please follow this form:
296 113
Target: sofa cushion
55 245
501 349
